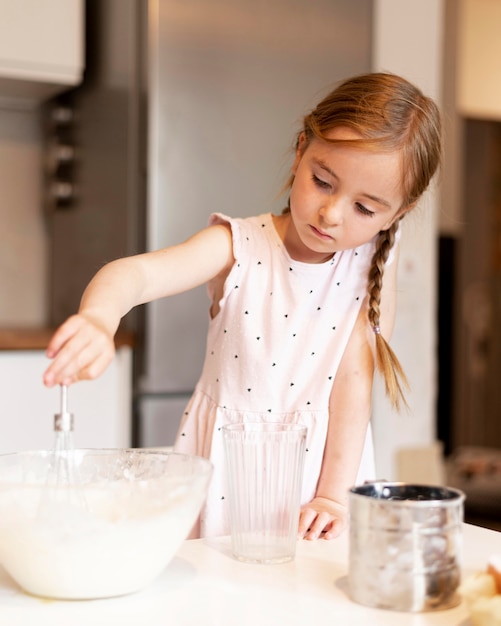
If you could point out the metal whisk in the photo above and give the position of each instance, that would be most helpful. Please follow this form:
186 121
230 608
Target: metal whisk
63 481
64 462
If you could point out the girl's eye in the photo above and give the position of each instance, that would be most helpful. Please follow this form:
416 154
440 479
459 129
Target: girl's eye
320 183
363 210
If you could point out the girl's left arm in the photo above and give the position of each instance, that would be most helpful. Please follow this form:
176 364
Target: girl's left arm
349 415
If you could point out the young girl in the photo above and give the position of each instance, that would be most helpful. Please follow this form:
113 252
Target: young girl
299 310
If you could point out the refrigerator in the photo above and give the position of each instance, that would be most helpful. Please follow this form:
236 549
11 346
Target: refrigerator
188 107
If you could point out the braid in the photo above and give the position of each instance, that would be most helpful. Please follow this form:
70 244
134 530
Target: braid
386 360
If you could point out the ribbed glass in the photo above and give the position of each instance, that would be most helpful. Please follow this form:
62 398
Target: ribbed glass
265 464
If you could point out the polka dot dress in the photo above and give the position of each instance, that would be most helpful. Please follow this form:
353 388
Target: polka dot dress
273 351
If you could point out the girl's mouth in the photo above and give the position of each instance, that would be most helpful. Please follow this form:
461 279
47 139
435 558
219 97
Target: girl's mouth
320 234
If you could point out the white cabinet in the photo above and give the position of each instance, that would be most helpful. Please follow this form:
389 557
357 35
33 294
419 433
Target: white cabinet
102 408
41 47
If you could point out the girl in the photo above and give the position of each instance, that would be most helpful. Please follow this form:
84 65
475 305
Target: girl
298 311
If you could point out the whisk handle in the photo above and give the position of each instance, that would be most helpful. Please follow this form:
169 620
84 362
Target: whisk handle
63 422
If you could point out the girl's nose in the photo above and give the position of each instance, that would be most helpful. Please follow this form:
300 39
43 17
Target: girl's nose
332 211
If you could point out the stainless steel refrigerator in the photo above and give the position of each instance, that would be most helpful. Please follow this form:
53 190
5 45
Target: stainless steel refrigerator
192 106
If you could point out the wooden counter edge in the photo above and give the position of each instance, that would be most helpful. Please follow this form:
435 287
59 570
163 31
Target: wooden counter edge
38 338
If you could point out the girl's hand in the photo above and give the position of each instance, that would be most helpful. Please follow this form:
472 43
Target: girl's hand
322 518
81 348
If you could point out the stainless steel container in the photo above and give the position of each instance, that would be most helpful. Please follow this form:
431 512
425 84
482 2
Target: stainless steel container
405 546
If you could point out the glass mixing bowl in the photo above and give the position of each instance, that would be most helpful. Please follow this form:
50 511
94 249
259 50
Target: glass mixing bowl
109 529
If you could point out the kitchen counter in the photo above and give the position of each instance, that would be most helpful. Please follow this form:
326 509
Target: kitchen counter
204 585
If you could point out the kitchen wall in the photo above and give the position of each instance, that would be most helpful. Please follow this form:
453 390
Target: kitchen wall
23 251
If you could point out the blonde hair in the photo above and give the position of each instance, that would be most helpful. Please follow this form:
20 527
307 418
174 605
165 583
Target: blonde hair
388 113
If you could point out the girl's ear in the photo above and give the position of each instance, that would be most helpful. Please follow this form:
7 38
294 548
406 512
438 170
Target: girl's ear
300 148
398 215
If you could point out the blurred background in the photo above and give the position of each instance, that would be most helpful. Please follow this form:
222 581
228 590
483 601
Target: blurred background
125 123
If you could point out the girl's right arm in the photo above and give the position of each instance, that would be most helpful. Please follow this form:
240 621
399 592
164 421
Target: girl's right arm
82 347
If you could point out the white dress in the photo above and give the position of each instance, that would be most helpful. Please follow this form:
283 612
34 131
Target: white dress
273 351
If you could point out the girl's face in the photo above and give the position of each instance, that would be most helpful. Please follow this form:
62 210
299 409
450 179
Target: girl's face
341 197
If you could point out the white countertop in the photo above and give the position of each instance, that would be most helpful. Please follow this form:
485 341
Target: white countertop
204 586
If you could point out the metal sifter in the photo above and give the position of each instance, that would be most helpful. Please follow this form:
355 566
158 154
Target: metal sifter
405 546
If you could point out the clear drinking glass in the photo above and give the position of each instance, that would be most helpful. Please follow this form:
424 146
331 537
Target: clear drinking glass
264 464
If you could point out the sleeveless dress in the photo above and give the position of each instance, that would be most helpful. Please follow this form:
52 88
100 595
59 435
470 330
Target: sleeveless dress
272 352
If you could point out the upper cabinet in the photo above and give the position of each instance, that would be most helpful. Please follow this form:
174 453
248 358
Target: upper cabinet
41 48
479 59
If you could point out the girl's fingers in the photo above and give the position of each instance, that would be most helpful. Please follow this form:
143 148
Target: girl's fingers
81 352
87 363
322 518
68 360
65 332
96 367
335 530
322 522
305 520
85 368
